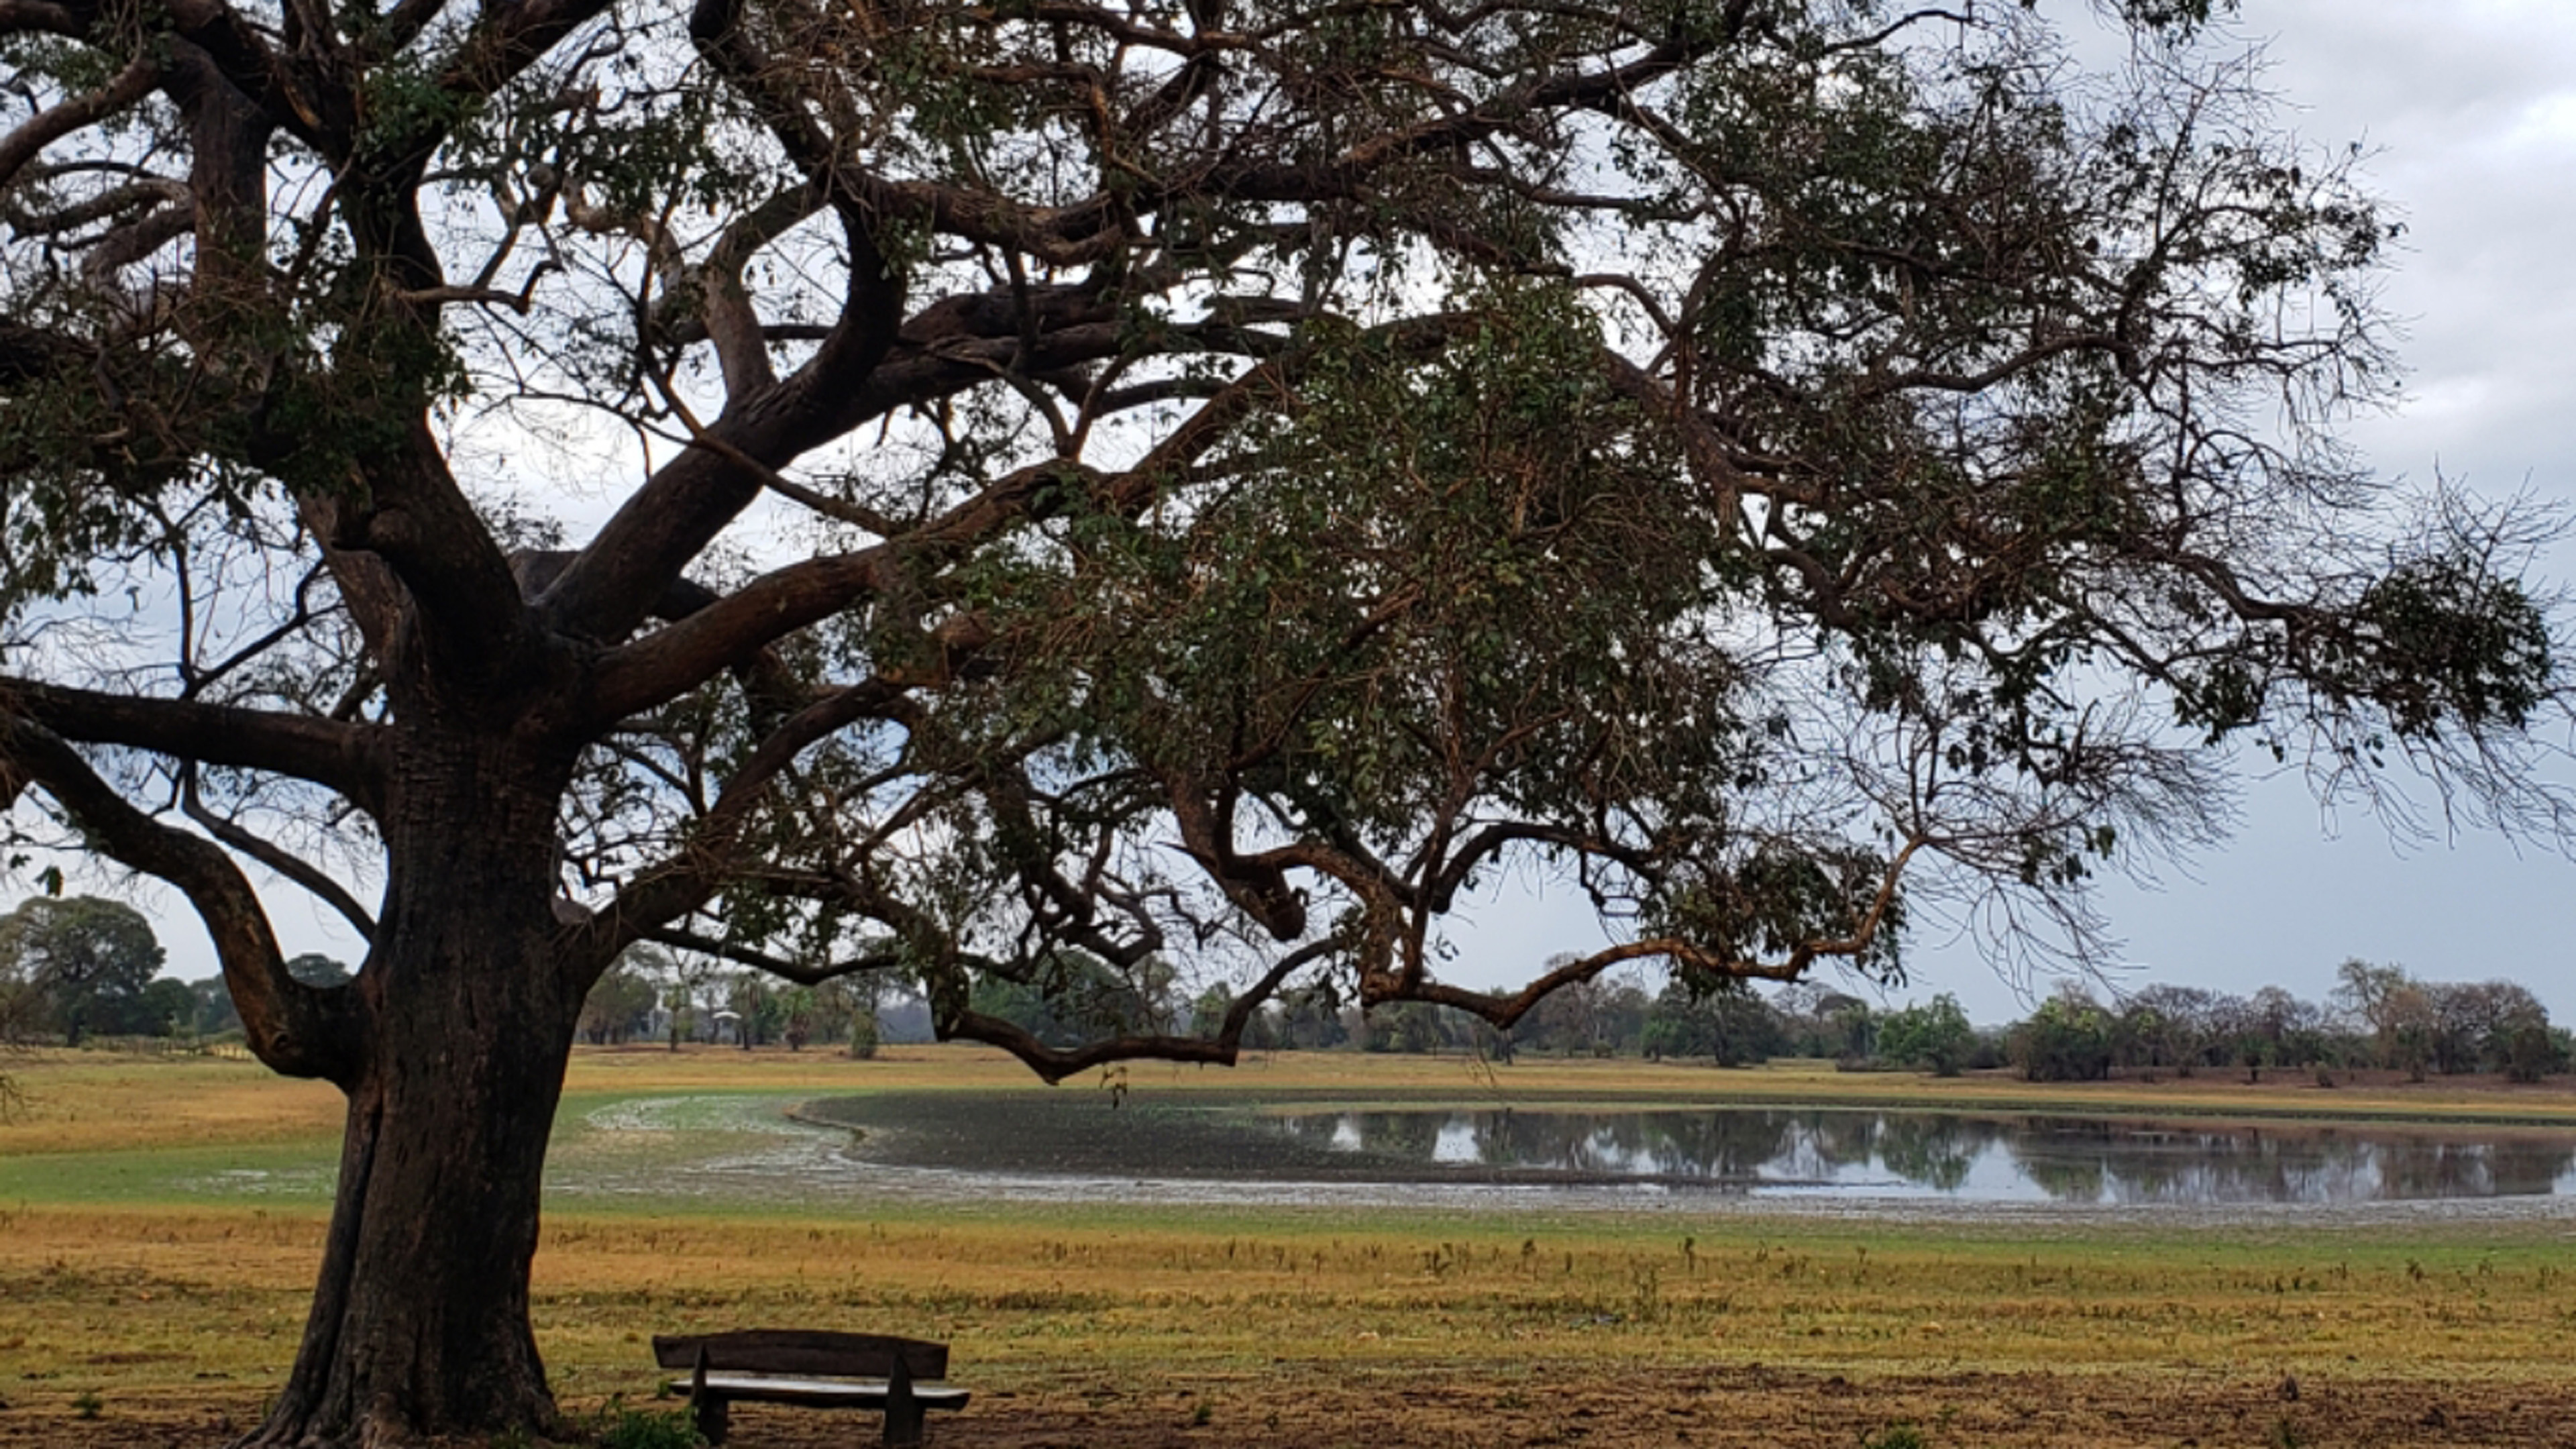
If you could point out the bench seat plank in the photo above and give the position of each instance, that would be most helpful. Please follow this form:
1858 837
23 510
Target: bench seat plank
827 1393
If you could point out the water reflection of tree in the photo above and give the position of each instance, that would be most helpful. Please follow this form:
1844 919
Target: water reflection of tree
2527 1167
1841 1139
2507 1167
1563 1141
1313 1129
2070 1159
1414 1136
2144 1163
1935 1151
2062 1159
1730 1145
1711 1145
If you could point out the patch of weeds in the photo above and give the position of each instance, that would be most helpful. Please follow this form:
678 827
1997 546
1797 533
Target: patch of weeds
88 1404
1200 1413
2286 1435
1646 1295
1899 1435
623 1428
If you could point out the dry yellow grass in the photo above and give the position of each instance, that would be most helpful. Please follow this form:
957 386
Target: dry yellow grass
123 1298
92 1101
1075 1309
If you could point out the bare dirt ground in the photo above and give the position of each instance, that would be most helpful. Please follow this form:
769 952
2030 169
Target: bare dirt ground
1745 1405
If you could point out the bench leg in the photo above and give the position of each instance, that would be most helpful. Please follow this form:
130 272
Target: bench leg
715 1420
903 1414
707 1408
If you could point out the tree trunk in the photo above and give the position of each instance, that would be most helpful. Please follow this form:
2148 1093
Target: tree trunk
419 1325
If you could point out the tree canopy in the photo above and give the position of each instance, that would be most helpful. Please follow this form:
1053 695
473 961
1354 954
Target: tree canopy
935 488
83 966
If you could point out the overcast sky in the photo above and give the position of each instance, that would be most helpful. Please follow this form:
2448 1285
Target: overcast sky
2471 109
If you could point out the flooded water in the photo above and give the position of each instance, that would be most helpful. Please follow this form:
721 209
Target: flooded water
1958 1157
971 1146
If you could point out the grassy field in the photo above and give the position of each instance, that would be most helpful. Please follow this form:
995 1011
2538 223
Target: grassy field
132 1290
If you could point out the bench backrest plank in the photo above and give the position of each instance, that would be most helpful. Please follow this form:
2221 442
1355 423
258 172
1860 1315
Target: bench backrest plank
803 1351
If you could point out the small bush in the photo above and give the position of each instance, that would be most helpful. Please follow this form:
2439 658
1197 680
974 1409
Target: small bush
1900 1435
623 1428
88 1404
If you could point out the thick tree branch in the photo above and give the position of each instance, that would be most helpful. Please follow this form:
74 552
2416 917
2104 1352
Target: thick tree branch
138 241
671 661
347 758
18 17
46 127
653 538
471 622
299 1030
1054 1064
1502 1011
250 65
777 966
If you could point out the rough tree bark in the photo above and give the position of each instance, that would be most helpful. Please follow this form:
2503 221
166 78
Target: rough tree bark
419 1323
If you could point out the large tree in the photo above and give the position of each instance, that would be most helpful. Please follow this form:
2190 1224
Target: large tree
956 489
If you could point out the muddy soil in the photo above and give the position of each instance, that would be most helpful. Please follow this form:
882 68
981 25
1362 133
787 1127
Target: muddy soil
1732 1406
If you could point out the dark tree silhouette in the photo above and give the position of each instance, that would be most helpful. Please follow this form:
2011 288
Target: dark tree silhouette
952 489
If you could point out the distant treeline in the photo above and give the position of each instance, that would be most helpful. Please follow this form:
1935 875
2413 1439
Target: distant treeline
78 967
2378 1017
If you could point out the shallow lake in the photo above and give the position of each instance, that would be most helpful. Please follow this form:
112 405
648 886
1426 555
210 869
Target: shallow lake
1272 1149
1970 1158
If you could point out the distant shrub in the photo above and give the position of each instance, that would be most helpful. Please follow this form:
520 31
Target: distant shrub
1935 1038
2066 1040
2531 1051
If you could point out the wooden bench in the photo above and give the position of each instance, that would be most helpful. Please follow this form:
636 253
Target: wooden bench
817 1369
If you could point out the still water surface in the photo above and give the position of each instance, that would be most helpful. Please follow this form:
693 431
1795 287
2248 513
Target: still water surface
1964 1158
